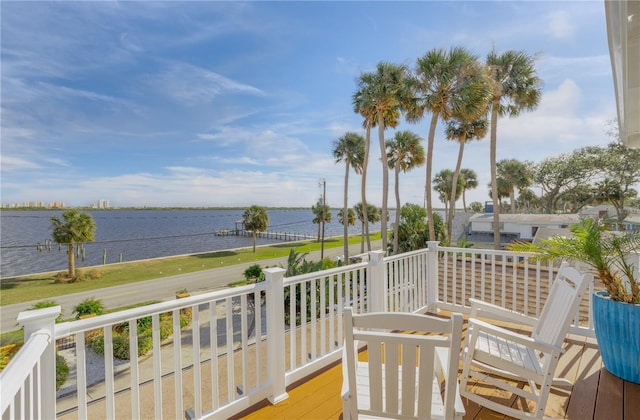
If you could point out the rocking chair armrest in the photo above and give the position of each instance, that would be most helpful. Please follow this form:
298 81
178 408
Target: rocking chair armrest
344 392
476 325
442 359
489 310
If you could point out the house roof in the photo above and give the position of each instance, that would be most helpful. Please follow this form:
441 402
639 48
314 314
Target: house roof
529 218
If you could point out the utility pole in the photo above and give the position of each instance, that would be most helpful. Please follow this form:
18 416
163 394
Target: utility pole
324 216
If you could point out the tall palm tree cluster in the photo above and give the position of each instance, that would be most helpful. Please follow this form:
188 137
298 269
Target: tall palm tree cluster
451 86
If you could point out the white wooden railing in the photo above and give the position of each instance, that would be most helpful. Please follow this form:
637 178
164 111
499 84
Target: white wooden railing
248 344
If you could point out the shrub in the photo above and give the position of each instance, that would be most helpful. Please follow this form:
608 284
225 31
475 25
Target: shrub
86 275
89 306
145 335
254 272
62 371
47 304
63 278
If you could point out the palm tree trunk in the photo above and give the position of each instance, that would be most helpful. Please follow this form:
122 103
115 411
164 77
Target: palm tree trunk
71 260
385 183
254 241
430 141
494 176
512 198
396 225
454 187
365 216
345 215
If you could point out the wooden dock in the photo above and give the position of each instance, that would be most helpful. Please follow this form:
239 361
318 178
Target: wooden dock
284 236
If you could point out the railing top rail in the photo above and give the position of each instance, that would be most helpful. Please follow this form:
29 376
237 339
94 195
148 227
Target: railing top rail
67 328
406 255
21 366
300 278
485 251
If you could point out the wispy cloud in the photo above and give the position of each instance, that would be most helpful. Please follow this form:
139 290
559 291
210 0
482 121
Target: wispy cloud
194 85
12 163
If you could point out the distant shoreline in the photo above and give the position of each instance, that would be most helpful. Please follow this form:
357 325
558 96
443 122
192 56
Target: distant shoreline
166 208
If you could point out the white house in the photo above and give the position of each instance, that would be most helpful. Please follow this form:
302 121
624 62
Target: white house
521 226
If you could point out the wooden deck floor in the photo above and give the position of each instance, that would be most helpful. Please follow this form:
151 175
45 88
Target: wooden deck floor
596 394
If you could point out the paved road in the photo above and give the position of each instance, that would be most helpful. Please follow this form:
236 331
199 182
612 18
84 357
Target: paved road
160 289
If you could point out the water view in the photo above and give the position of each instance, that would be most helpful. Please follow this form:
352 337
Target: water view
139 234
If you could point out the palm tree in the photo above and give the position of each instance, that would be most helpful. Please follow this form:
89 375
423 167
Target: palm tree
372 214
350 150
255 219
448 83
381 96
362 105
443 184
470 182
351 217
462 131
527 200
322 213
515 174
515 87
503 191
76 226
404 152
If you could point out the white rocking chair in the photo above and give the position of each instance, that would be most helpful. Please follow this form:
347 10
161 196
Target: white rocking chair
401 378
512 356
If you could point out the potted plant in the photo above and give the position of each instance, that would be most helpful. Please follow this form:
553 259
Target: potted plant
616 310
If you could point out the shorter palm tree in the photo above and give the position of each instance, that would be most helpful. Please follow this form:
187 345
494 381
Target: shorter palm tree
469 182
404 153
373 216
322 214
443 184
514 174
74 227
462 131
350 150
351 217
255 219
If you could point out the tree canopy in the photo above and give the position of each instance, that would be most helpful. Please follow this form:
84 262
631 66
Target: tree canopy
255 219
74 227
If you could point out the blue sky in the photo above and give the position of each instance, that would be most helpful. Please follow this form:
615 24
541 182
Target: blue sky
238 103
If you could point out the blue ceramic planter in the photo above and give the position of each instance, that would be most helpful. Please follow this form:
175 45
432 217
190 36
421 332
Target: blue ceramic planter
617 328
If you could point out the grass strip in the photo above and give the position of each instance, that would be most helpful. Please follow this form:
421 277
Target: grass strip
43 286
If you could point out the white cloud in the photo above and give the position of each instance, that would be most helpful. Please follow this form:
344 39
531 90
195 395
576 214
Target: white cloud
12 163
561 25
195 86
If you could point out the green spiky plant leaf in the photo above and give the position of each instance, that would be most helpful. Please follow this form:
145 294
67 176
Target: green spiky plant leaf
602 250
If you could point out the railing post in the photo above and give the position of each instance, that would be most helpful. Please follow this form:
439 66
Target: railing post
432 276
274 278
43 321
376 288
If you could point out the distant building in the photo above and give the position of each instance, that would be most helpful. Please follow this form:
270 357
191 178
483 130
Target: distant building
632 222
517 226
33 204
103 204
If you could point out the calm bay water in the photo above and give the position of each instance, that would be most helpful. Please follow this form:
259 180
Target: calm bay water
140 234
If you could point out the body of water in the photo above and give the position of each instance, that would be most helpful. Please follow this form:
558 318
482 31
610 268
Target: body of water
140 234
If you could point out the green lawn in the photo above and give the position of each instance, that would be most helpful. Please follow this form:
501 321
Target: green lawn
36 287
